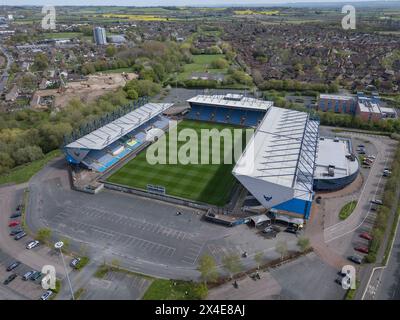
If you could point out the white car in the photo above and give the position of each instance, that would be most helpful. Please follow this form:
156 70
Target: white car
46 295
32 244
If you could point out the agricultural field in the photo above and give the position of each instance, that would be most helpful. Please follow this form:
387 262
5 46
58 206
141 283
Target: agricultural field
208 183
138 17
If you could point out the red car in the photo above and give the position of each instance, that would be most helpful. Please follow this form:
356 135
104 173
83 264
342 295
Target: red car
362 249
14 223
366 235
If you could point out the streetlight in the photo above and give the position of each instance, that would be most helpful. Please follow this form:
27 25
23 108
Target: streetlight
59 245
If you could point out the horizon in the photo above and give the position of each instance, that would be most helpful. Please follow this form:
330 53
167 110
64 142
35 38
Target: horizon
187 3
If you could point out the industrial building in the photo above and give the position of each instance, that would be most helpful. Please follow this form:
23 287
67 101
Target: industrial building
367 108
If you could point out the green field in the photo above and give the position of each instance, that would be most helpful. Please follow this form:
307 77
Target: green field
209 183
201 63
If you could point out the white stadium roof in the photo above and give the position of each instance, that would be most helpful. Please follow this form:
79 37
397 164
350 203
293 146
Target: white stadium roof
104 136
282 152
232 100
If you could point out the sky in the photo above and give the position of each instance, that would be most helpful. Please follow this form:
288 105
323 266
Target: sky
163 2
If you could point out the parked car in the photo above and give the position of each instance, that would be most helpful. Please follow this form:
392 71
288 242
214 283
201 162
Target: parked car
374 207
318 200
74 262
14 223
356 259
361 151
361 146
362 249
28 275
372 157
366 235
13 265
32 244
46 295
15 231
10 278
19 207
377 201
16 215
20 235
36 275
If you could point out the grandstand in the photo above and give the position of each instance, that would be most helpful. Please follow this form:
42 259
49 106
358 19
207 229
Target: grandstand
231 109
277 166
103 148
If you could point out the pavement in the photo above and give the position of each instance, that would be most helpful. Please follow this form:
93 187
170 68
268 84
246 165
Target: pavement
306 278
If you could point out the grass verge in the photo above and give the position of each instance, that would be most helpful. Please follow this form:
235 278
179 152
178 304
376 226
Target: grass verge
23 173
161 289
347 210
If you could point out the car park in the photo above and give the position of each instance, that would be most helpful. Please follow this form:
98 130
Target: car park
35 276
15 231
74 262
20 235
14 223
46 295
366 235
362 249
13 265
28 275
356 259
32 244
10 278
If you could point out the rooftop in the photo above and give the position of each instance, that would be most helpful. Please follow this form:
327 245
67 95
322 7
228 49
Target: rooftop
104 136
336 97
232 100
282 151
368 105
333 153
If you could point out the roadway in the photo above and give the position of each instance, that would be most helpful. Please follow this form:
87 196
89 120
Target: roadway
4 76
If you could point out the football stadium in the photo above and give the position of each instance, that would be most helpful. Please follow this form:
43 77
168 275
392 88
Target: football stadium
277 163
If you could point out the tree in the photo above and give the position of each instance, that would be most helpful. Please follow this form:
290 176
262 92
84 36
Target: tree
132 94
208 269
27 154
303 243
40 62
44 234
282 248
110 51
219 63
232 264
259 258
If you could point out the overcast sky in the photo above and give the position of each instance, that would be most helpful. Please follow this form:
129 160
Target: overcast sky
162 2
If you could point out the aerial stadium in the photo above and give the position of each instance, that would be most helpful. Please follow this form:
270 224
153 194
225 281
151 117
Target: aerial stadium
281 166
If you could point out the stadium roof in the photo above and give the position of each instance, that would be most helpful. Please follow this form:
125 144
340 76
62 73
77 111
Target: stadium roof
104 136
282 151
232 100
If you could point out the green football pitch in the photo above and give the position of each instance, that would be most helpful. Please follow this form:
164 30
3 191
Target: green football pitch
208 183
